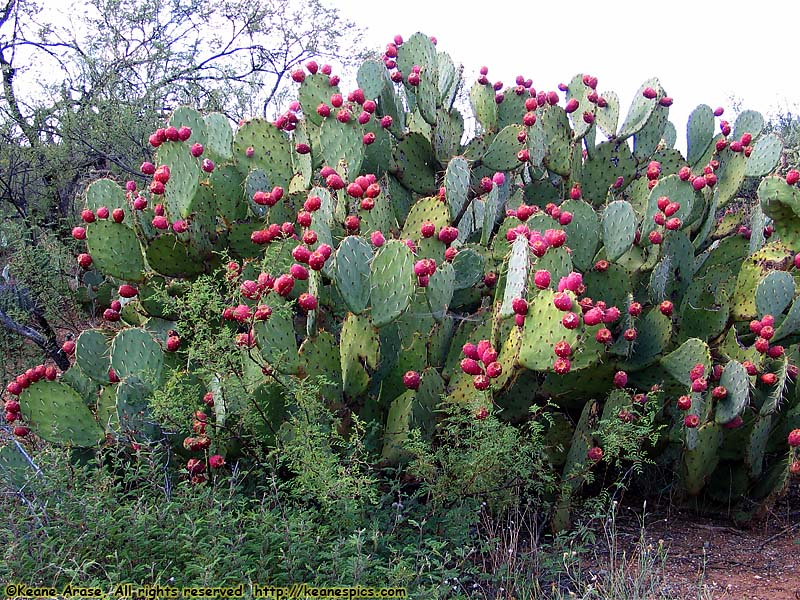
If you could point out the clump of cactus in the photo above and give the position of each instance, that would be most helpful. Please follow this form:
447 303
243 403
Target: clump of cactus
561 253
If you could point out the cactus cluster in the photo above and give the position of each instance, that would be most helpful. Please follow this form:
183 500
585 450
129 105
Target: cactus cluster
556 254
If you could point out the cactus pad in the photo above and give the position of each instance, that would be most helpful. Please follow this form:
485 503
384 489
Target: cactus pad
59 415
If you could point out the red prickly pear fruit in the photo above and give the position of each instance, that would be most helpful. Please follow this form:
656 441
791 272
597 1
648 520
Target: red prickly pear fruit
448 234
127 291
23 380
310 237
312 203
12 406
50 373
263 312
684 403
184 133
171 133
323 110
565 218
659 219
386 121
207 165
562 349
620 379
334 181
570 320
84 260
767 331
601 265
611 315
116 305
684 174
162 174
750 368
603 336
649 93
698 183
370 106
354 190
793 176
482 347
719 392
364 117
156 187
523 155
21 431
721 145
794 438
216 461
482 413
761 345
87 216
796 261
593 316
111 315
494 370
377 239
562 366
411 380
450 254
196 150
775 351
718 111
629 334
147 168
299 272
301 254
14 388
208 399
655 237
671 208
79 233
769 378
524 212
112 376
160 222
768 320
595 454
102 212
700 385
352 223
588 117
427 229
421 268
68 347
326 69
529 120
665 101
486 184
140 203
673 224
519 320
691 421
471 351
302 148
298 75
180 226
572 105
307 302
173 343
634 309
555 237
325 250
470 366
697 371
666 308
519 306
154 140
195 466
118 215
489 356
413 79
283 285
562 301
480 382
304 219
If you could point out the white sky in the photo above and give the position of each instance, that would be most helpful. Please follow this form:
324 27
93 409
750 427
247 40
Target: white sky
701 51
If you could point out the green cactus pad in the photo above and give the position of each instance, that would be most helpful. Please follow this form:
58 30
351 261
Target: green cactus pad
227 192
439 292
469 268
607 117
184 178
542 330
774 293
580 91
115 250
773 256
484 107
706 305
456 185
320 357
736 381
352 272
680 361
369 78
608 161
677 191
611 286
240 243
272 151
79 381
16 472
571 477
700 463
449 79
447 134
276 337
518 265
649 137
757 445
133 409
791 324
392 282
653 335
558 140
316 89
342 142
619 228
135 352
92 354
359 345
59 415
640 110
187 116
108 193
219 137
765 156
378 155
512 109
773 399
502 152
730 178
781 202
748 121
699 133
582 233
172 257
415 164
